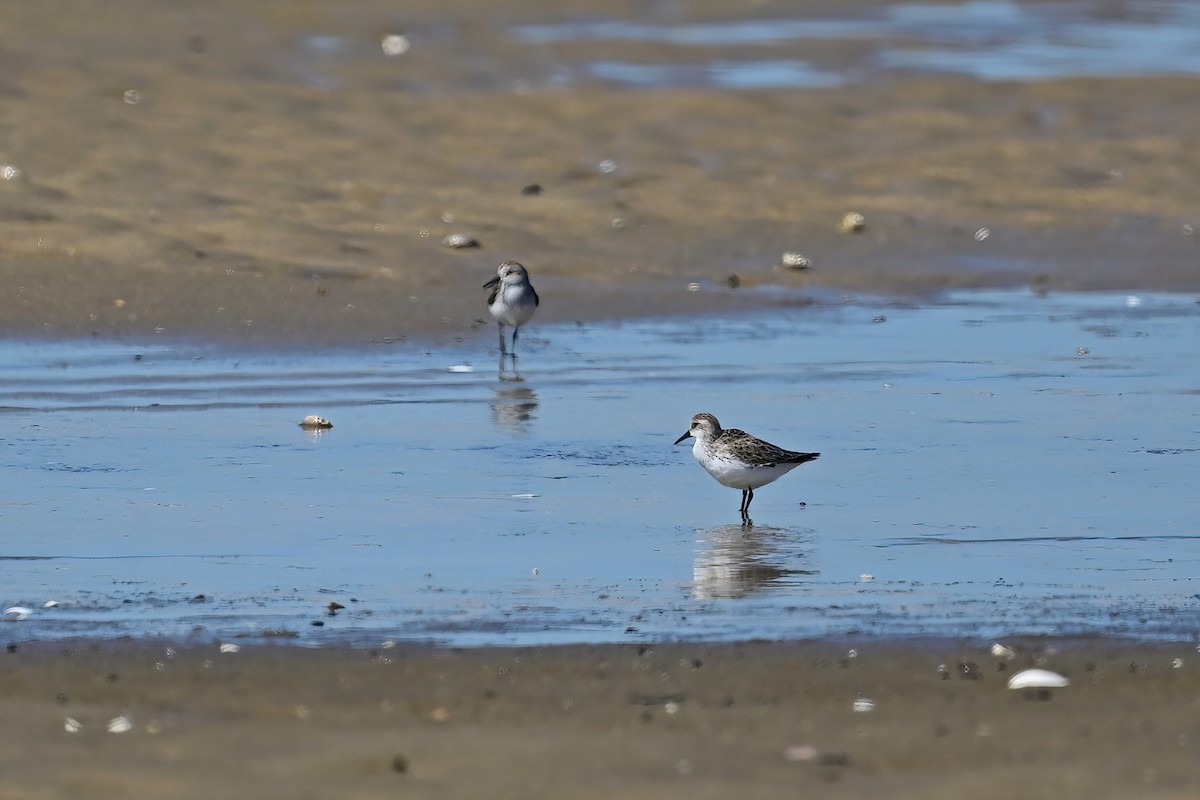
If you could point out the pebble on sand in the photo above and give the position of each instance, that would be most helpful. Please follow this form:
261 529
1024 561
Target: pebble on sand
853 223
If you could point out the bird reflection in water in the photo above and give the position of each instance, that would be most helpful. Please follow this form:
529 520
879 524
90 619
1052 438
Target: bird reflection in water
513 406
735 561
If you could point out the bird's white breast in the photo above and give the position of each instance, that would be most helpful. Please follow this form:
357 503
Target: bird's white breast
734 473
513 305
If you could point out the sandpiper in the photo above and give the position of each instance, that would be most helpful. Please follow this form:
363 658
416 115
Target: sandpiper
511 300
737 459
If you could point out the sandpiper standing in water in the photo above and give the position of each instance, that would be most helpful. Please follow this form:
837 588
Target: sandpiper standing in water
738 460
511 300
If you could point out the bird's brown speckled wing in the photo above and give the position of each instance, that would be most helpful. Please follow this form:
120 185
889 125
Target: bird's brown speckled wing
755 451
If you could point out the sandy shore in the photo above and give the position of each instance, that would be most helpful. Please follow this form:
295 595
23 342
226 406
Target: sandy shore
176 172
753 719
211 173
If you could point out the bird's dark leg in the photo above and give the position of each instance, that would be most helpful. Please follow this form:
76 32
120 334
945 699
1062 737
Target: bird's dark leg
514 348
500 329
747 496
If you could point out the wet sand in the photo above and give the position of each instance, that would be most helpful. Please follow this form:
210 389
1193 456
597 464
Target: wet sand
199 172
694 720
214 172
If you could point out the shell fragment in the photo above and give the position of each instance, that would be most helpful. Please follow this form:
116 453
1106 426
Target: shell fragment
1037 679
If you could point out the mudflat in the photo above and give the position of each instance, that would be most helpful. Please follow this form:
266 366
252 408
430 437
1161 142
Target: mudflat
756 719
266 173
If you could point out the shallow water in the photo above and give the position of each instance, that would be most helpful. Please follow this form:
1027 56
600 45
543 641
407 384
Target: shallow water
984 39
993 40
978 477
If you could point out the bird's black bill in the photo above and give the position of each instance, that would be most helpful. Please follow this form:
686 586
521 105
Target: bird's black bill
495 279
687 435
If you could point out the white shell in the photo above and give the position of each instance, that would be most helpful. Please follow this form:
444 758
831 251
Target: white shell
1003 651
864 704
1037 679
459 241
120 724
72 725
17 613
794 260
313 421
230 648
395 44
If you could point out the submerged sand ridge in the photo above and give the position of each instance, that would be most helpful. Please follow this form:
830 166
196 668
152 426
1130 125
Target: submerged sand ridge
217 173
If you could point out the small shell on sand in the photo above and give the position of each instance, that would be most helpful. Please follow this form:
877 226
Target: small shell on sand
313 422
853 223
459 241
794 260
1003 651
863 705
1037 679
121 724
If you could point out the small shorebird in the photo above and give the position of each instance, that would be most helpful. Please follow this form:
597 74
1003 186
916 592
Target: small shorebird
737 459
511 300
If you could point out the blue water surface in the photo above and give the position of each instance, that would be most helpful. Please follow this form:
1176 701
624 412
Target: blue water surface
992 464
